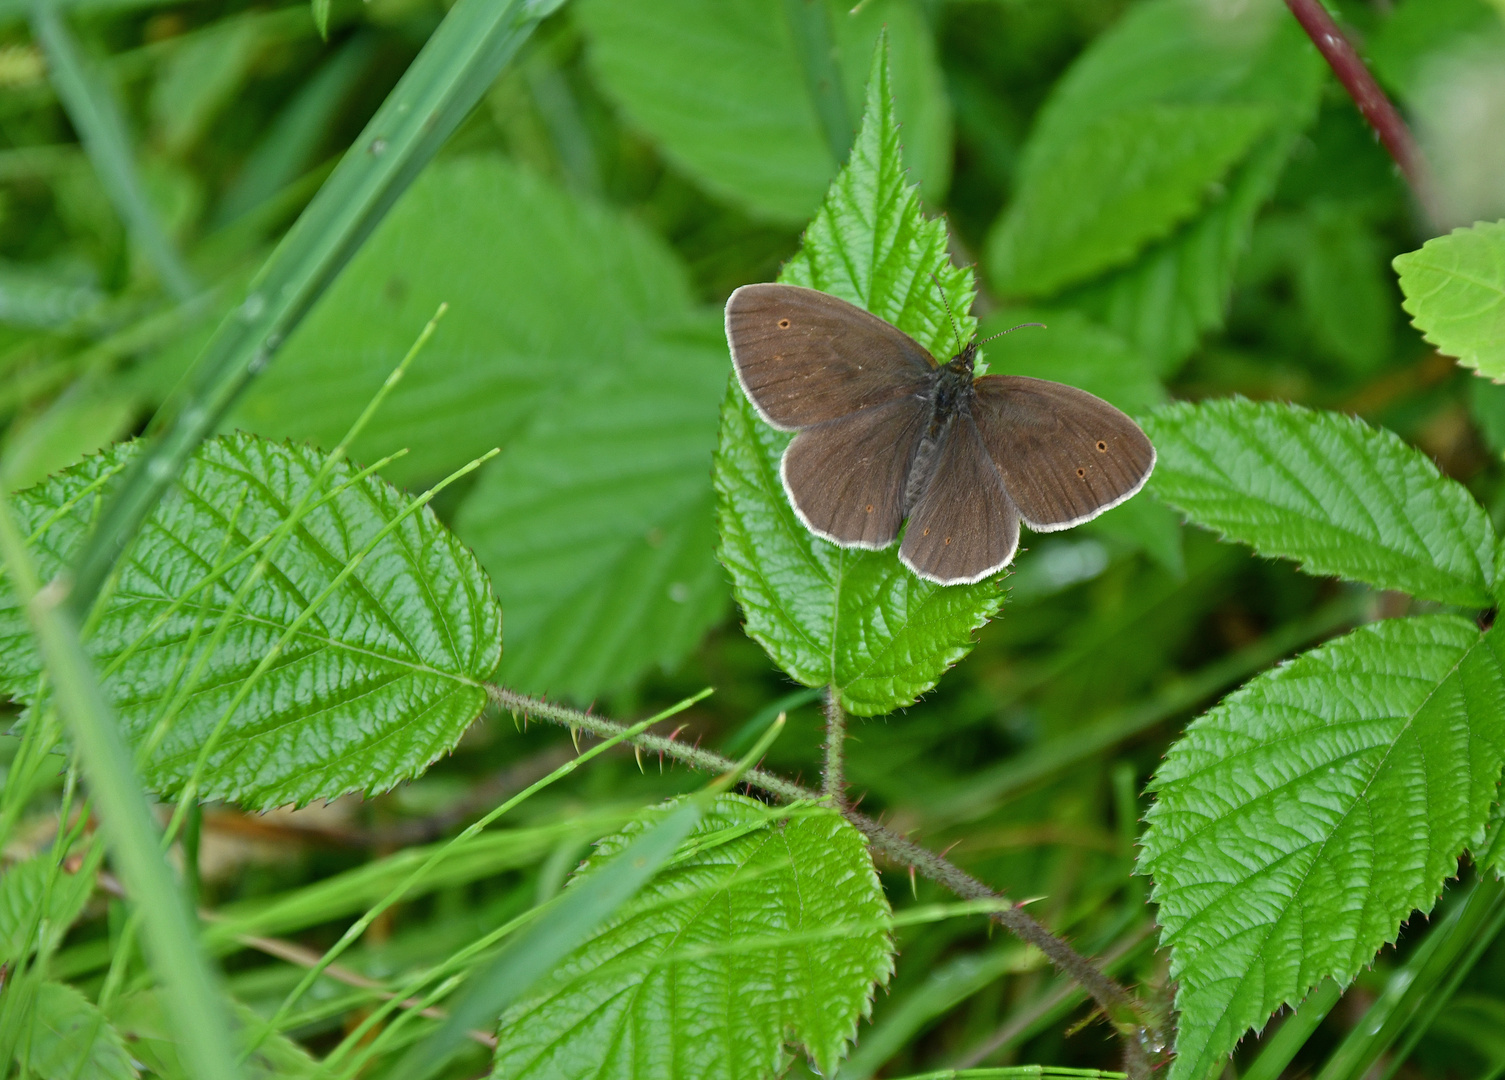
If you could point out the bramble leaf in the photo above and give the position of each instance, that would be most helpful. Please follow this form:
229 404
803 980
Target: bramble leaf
1128 179
722 959
383 678
1327 490
1455 294
1298 823
69 1038
856 620
23 887
141 1017
597 524
720 85
541 288
1184 55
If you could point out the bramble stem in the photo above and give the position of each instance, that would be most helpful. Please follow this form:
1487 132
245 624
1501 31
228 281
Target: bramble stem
833 778
1376 108
1112 998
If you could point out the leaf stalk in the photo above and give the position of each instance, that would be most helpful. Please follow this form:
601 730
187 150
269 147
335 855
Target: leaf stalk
1377 109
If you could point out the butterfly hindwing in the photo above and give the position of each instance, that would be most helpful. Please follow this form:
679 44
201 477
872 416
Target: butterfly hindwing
963 527
845 478
1065 456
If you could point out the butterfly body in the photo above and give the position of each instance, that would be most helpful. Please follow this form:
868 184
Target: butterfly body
886 434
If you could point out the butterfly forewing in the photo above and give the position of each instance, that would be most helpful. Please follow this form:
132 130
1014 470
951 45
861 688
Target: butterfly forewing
1065 456
964 526
845 477
804 357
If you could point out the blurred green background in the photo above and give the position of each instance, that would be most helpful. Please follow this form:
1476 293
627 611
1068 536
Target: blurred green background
634 164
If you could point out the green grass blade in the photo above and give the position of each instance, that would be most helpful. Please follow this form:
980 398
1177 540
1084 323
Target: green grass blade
1423 985
549 939
459 61
567 923
196 1006
101 126
359 927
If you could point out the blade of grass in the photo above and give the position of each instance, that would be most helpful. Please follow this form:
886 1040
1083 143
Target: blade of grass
1424 983
1292 1035
567 923
359 927
981 794
101 127
196 1007
470 47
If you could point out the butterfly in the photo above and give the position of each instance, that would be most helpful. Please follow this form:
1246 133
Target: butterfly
885 434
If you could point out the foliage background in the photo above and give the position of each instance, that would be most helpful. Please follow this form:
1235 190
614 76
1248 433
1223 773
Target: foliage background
634 164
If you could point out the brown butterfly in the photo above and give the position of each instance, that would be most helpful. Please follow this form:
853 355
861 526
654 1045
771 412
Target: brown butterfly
886 433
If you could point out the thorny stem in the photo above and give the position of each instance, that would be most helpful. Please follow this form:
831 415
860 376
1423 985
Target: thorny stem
1112 998
833 778
1377 109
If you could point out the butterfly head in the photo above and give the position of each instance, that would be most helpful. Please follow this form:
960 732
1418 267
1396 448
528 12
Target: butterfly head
963 362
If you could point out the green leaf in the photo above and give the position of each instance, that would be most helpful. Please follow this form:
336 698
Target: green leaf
140 1017
729 942
1455 294
565 927
541 288
1128 179
1328 490
1300 821
203 73
1348 301
382 679
597 524
720 85
70 1038
1178 290
1180 54
23 888
320 11
856 620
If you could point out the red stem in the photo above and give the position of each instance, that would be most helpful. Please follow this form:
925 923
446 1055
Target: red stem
1376 108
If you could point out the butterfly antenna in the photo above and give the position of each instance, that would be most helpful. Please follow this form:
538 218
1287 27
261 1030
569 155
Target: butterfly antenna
957 330
1010 330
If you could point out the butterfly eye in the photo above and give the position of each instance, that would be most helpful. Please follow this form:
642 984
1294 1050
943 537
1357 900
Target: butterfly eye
1102 447
783 324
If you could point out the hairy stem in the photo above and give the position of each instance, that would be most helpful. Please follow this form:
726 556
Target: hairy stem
1377 109
833 777
1112 998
